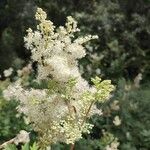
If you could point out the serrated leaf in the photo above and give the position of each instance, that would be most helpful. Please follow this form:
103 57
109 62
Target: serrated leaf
10 147
34 147
25 147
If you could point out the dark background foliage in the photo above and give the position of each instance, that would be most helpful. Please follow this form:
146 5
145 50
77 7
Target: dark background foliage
121 53
122 26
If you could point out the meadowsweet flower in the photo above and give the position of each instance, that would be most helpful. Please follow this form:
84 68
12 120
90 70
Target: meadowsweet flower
60 110
25 71
109 141
115 105
8 72
117 121
22 137
113 146
137 80
40 14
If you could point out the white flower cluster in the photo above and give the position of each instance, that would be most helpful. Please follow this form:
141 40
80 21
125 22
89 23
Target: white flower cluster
55 51
117 121
59 112
8 72
113 146
109 141
22 137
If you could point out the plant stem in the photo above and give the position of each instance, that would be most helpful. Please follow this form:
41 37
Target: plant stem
72 147
8 142
86 115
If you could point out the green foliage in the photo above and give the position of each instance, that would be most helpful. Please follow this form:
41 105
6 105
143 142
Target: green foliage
134 111
14 19
122 49
10 121
103 89
133 133
10 147
23 147
34 147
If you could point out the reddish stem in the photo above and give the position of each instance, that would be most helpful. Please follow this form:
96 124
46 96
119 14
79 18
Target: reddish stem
72 147
87 113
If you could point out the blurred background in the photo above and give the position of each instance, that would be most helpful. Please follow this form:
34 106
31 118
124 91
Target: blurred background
122 54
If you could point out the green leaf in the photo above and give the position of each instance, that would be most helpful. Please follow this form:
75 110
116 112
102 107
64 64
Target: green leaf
10 147
34 146
25 147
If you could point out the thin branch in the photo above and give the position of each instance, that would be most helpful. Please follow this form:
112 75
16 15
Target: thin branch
8 142
72 147
86 115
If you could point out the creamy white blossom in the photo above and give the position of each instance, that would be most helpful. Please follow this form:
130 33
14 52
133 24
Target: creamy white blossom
115 105
22 137
117 121
8 72
109 141
58 112
113 146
